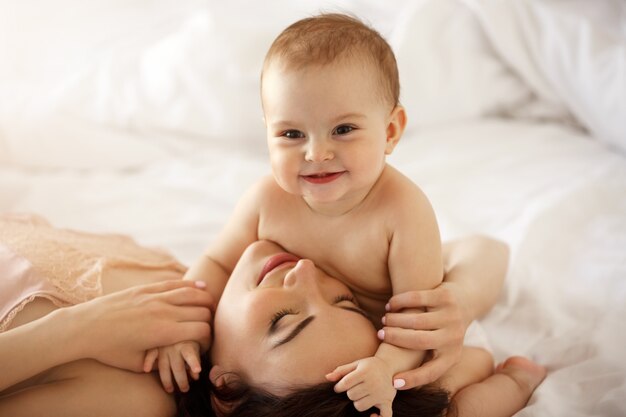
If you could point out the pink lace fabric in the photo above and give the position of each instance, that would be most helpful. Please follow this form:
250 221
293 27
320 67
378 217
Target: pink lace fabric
68 267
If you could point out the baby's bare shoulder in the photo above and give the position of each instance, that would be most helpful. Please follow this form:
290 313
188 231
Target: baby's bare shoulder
400 194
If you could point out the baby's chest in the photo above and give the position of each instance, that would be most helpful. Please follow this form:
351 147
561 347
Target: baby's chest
355 253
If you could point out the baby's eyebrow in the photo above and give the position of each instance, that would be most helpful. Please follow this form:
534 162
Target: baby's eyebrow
295 331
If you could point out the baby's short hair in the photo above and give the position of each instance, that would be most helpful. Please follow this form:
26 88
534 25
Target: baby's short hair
328 38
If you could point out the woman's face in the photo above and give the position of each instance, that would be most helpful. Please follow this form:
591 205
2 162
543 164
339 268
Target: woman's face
282 322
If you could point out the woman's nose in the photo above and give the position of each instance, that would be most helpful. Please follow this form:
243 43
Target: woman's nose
318 150
303 274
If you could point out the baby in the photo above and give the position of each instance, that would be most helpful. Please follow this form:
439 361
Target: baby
330 96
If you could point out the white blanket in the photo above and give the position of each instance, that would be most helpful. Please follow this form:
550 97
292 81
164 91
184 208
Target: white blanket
143 117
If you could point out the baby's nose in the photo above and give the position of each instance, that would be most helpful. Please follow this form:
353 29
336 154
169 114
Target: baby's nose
318 150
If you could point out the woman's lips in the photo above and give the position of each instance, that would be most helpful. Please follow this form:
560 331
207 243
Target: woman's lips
276 261
322 178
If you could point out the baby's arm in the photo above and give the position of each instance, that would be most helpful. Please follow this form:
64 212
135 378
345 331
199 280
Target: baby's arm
213 268
415 263
475 270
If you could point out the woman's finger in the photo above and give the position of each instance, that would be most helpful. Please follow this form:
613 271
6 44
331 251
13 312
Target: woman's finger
414 321
421 299
177 332
414 339
189 313
425 374
169 285
189 296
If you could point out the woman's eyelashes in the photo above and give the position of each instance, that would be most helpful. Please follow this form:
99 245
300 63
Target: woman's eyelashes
345 297
278 316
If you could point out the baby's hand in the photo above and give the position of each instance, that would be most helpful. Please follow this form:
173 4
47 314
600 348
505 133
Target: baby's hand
176 359
368 383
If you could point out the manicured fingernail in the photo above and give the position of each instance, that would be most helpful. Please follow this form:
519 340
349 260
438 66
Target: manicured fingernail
381 334
388 307
200 284
384 320
399 383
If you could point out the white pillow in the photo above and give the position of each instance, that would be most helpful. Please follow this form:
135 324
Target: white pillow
569 52
448 69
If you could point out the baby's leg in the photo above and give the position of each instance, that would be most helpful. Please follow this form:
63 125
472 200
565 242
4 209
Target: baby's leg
502 394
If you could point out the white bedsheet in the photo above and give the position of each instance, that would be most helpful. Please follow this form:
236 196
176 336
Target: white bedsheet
148 123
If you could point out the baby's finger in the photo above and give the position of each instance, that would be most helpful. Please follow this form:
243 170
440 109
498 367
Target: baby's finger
364 403
385 410
341 371
357 392
165 373
349 381
150 359
425 374
190 355
180 372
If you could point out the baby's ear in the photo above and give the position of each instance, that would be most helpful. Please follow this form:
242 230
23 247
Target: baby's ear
395 128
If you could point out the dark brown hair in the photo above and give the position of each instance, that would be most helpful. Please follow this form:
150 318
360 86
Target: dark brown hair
238 399
329 38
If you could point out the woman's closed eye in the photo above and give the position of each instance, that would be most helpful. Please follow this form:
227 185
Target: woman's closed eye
278 316
349 298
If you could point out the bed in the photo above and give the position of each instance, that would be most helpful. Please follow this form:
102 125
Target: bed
143 118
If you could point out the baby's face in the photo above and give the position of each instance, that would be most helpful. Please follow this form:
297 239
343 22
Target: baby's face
282 322
328 130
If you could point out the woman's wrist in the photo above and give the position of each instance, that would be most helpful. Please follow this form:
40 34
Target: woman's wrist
64 329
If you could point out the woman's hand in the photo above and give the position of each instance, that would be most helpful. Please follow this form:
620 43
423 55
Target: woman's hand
118 328
441 329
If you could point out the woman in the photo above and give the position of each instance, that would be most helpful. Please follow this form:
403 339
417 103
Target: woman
283 325
75 360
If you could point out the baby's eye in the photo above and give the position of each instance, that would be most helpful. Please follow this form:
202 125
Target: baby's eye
292 134
343 130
